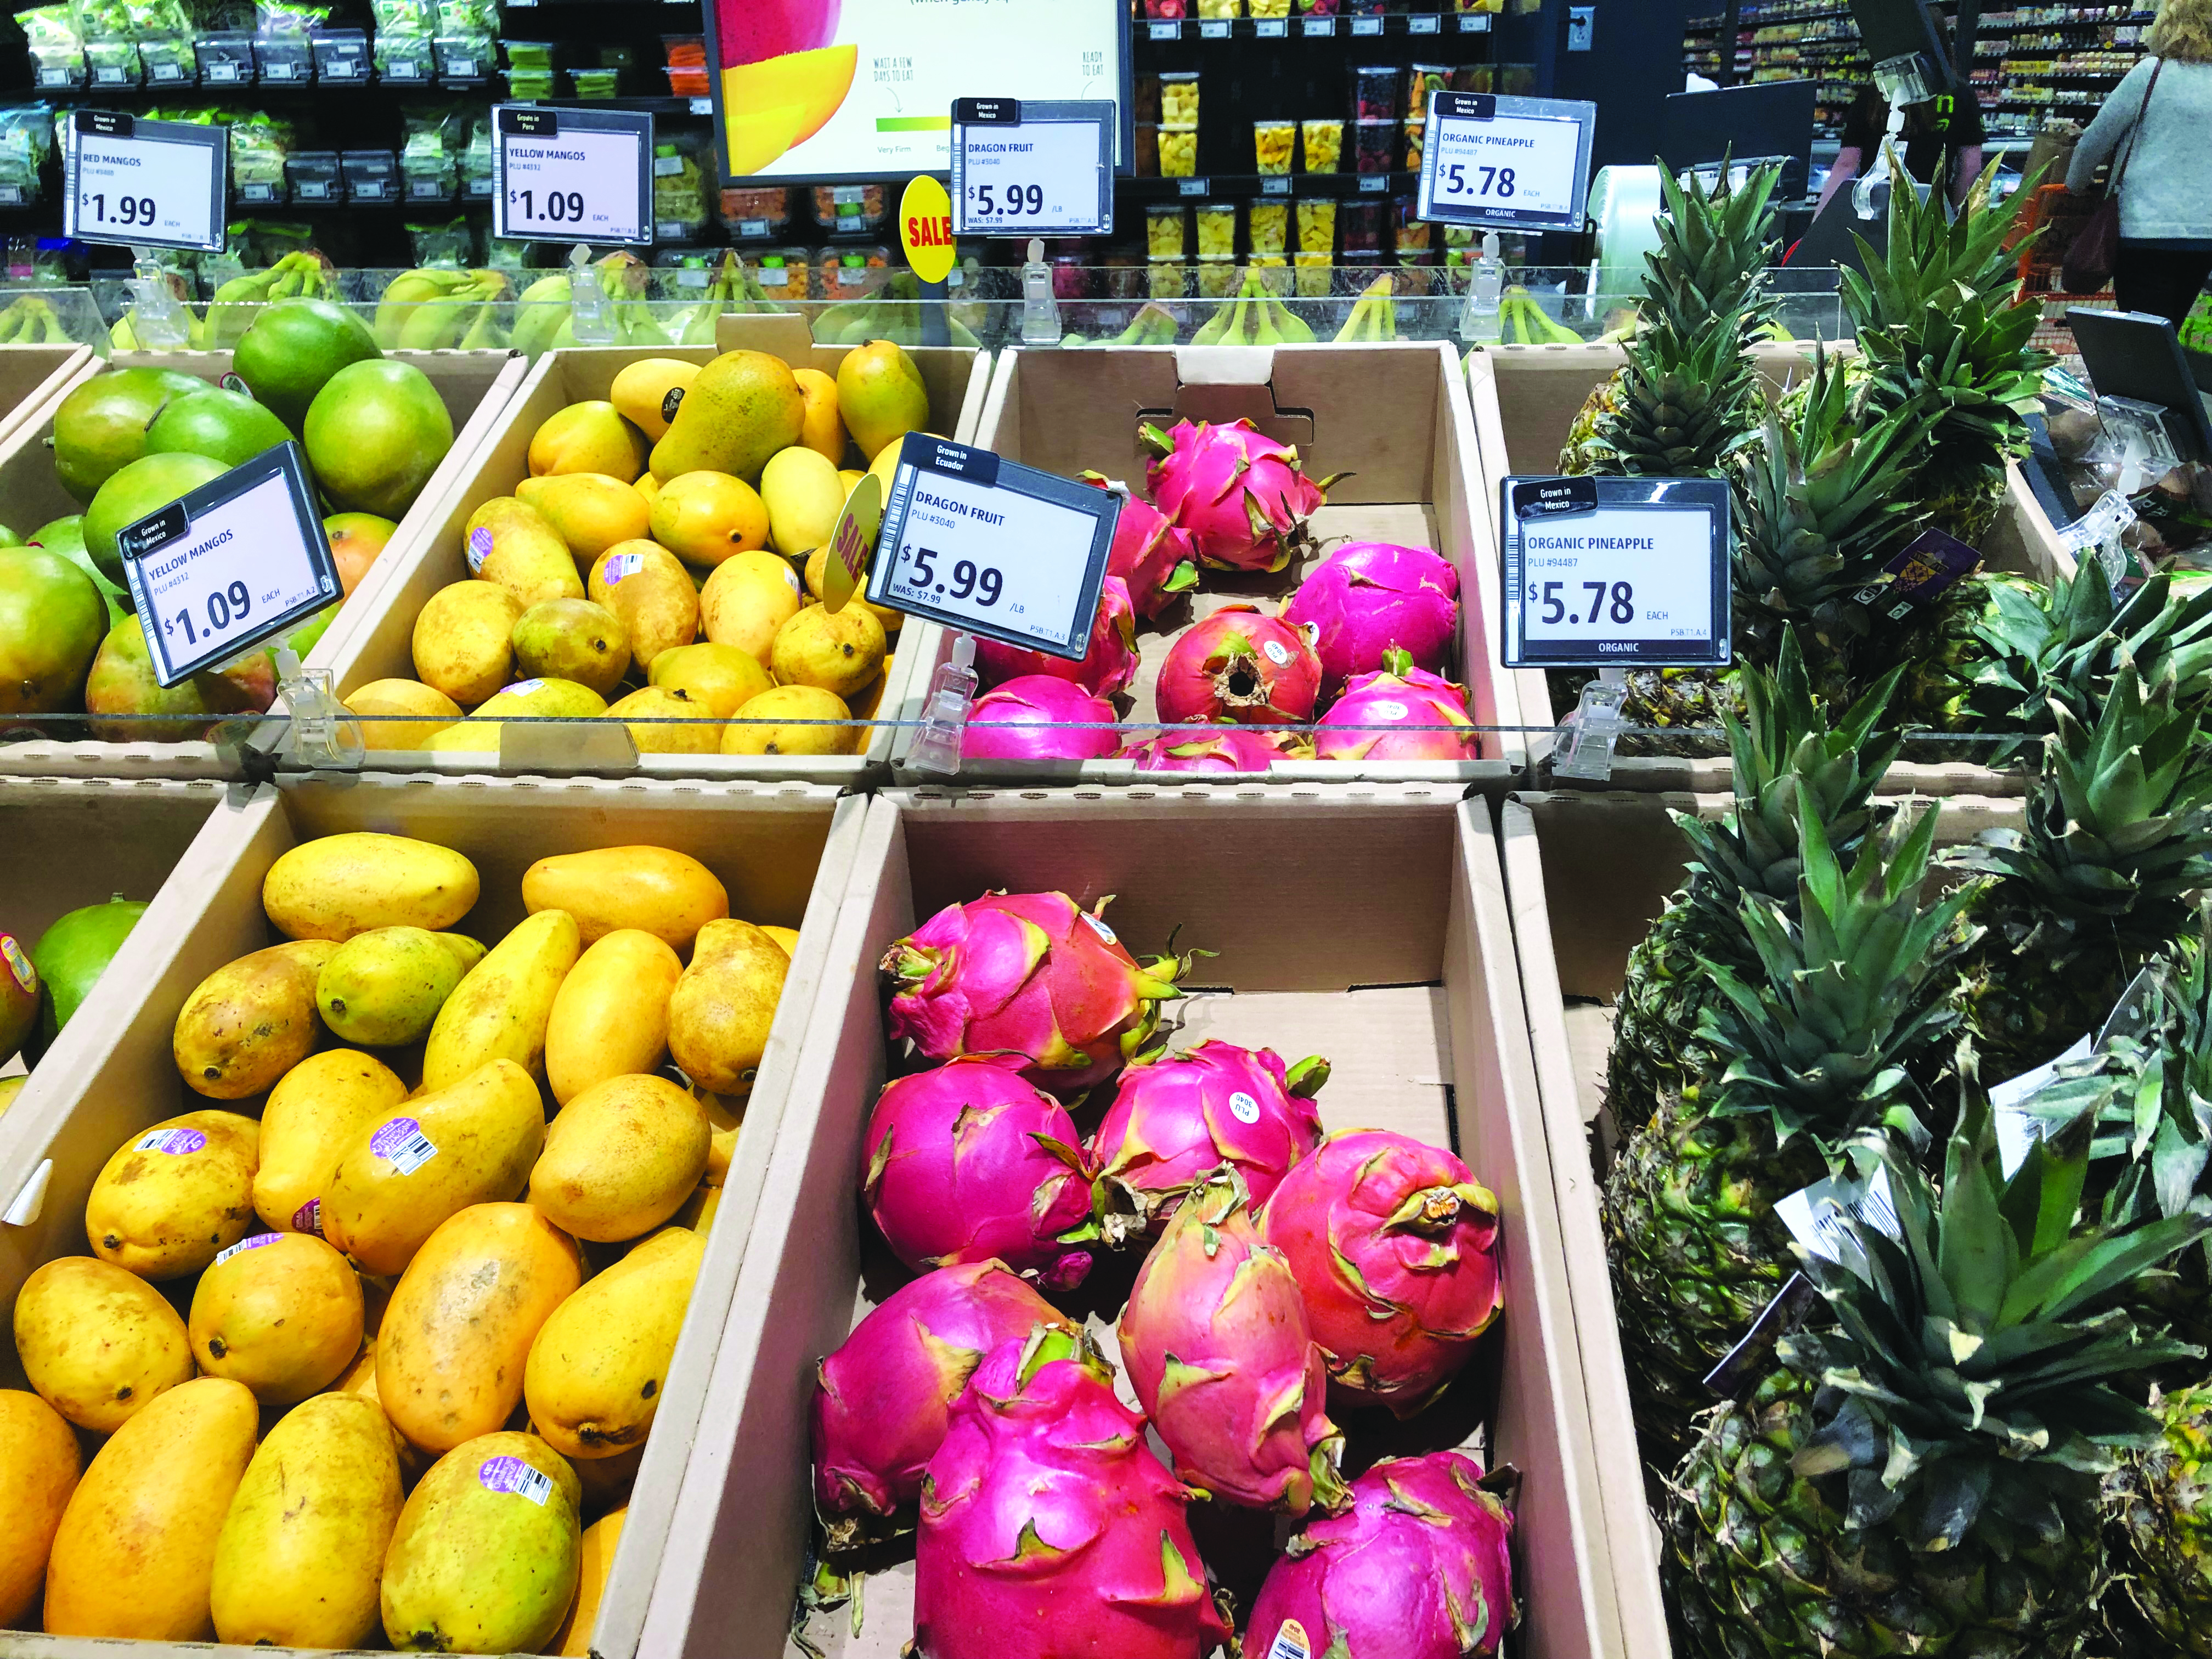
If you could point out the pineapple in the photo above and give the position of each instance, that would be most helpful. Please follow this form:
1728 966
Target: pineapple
1784 746
1923 1477
2118 835
2162 1533
1846 1006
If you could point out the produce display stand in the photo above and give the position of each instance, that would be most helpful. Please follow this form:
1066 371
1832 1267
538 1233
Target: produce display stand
1586 874
1404 976
1525 398
29 375
1394 418
475 386
957 377
785 852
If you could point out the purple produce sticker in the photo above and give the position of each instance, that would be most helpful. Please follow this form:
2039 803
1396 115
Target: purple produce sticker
308 1217
252 1243
513 1474
479 548
175 1142
402 1141
619 565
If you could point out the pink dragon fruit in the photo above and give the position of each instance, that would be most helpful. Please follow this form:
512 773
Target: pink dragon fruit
1420 1569
1176 1120
1107 665
1358 726
968 1162
1048 1530
1217 1343
1032 975
882 1400
1038 717
1150 554
1221 748
1367 597
1240 665
1242 495
1395 1250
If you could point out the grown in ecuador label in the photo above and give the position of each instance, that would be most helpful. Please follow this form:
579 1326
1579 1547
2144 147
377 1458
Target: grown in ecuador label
176 1143
403 1143
1245 1107
18 964
479 549
513 1474
308 1217
1290 1641
252 1243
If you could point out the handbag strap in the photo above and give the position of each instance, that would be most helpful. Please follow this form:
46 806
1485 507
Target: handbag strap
2135 137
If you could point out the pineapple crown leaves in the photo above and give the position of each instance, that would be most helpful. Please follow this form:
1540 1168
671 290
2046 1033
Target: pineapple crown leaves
1714 248
1973 1363
2155 1108
1858 986
1933 258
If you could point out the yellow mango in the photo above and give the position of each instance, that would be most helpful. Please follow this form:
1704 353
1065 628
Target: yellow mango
336 886
300 1554
39 1467
817 575
426 705
649 391
667 894
697 1212
588 437
97 1342
359 1380
449 1354
509 543
724 1149
589 511
823 428
136 1551
881 394
573 1639
620 1157
786 936
174 1195
610 1015
839 652
599 1363
741 408
408 1170
765 726
311 1116
720 1015
747 600
464 644
705 517
485 1557
719 677
656 716
279 1312
539 699
805 499
250 1022
646 585
607 1482
382 988
499 1010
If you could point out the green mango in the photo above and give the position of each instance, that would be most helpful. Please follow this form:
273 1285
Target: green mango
70 955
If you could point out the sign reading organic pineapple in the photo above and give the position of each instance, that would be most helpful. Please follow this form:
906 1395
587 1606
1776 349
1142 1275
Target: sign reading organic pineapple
572 174
1032 169
144 183
1506 163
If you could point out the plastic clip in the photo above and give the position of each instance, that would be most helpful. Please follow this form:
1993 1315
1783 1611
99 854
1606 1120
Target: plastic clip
1486 291
591 319
1040 306
159 322
323 735
1586 737
936 746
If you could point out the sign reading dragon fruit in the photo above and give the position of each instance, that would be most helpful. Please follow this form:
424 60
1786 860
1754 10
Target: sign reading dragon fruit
176 1143
403 1142
513 1474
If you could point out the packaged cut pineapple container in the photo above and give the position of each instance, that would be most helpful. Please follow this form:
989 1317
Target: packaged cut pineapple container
1403 980
636 605
127 734
521 1325
1295 512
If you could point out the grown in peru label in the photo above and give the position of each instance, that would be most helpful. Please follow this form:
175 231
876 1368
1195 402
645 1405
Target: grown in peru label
1243 1108
252 1243
1290 1641
479 549
403 1142
308 1217
513 1474
175 1142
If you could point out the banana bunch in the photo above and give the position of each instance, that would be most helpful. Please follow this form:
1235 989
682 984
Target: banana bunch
1258 318
431 310
544 320
32 320
1374 318
1521 321
732 288
304 275
895 314
1154 326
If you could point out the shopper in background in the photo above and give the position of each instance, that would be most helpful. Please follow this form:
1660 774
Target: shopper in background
2165 194
1943 133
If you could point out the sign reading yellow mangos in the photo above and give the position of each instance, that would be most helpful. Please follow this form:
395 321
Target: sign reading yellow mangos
925 229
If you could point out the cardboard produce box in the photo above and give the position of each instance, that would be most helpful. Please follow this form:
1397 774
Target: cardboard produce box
957 378
1404 978
784 855
1394 418
1586 875
1526 399
475 386
29 375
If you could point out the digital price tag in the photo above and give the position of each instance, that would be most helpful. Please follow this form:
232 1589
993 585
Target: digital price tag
1508 163
993 548
1213 31
572 174
1272 29
1615 573
1424 23
144 183
240 560
1313 27
1367 26
1032 169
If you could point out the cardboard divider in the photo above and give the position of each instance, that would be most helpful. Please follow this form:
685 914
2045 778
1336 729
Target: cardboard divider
1586 875
958 379
1393 417
475 386
784 852
1405 978
29 375
1526 399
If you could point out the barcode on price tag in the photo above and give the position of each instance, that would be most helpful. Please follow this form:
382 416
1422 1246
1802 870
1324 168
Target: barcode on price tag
1816 1214
150 184
580 175
402 1143
1511 163
1032 169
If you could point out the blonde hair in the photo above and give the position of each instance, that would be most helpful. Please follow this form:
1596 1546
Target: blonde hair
2183 32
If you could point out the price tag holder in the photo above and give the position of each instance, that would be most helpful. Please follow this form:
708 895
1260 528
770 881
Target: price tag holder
1314 28
572 174
1271 28
1424 23
990 547
1164 31
1367 26
1032 169
1216 30
1615 573
1506 163
239 560
144 183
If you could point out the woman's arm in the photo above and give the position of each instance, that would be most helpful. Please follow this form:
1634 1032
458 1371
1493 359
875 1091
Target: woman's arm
1963 172
2103 138
1848 163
